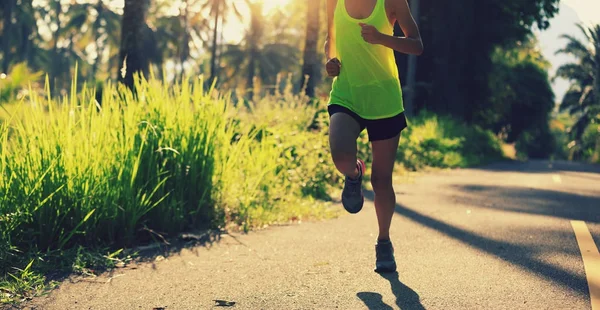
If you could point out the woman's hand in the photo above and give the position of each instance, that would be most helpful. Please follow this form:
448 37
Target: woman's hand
370 34
333 67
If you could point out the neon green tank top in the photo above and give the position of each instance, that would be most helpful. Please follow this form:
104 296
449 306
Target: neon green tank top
368 83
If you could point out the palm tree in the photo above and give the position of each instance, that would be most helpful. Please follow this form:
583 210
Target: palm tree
102 31
178 38
255 58
22 42
582 100
133 30
104 27
219 10
309 68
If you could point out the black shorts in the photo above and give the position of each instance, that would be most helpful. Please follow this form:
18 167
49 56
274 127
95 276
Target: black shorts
378 129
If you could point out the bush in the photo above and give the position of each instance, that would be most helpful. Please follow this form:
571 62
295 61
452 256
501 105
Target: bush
558 129
590 143
439 141
536 143
15 82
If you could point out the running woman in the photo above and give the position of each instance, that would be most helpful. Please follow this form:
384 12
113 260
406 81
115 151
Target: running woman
366 94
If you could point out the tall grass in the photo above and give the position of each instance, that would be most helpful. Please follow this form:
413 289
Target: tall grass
170 159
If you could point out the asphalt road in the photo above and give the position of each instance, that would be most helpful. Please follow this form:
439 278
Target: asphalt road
498 237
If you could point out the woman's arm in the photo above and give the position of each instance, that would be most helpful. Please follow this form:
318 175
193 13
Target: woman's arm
410 44
333 65
330 51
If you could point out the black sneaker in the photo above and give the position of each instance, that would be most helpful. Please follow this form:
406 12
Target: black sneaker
385 257
352 196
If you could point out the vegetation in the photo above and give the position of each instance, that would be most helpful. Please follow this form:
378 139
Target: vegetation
168 160
440 141
522 99
582 101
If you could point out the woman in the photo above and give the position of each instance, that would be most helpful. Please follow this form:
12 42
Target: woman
366 94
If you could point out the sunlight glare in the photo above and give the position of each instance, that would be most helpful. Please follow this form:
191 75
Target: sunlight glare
232 30
271 5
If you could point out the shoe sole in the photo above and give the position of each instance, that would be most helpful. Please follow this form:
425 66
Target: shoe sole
362 167
356 211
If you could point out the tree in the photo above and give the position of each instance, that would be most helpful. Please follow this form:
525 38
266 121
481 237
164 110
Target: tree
20 39
582 100
521 97
133 32
459 38
256 58
104 28
7 10
219 10
311 61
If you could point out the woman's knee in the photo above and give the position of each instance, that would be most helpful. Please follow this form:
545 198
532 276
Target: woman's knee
345 162
381 182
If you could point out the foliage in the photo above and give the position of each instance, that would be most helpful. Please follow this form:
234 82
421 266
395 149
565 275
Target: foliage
460 37
536 143
440 141
590 143
582 100
16 82
21 284
558 128
256 56
168 160
521 95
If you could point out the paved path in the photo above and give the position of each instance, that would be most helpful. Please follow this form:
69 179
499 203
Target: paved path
500 237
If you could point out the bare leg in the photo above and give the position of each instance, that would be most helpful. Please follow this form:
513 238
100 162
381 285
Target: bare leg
343 132
384 157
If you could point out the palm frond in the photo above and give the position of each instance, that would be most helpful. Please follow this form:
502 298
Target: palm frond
574 72
574 47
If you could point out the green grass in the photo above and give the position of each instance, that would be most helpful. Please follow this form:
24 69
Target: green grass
22 284
171 159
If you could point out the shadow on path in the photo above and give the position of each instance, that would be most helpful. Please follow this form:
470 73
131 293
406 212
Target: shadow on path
514 254
569 206
542 166
406 298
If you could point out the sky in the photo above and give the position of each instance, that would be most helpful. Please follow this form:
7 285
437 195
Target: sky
588 10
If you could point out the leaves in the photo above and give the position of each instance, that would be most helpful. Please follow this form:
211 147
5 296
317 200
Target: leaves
582 100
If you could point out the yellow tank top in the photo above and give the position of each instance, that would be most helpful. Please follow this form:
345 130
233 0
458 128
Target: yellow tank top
368 83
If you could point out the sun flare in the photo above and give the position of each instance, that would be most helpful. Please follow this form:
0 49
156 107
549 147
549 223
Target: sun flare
270 5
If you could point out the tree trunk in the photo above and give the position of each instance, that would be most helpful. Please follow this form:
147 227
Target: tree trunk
56 66
256 33
6 34
251 73
23 32
99 43
213 57
185 41
132 57
412 68
311 61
